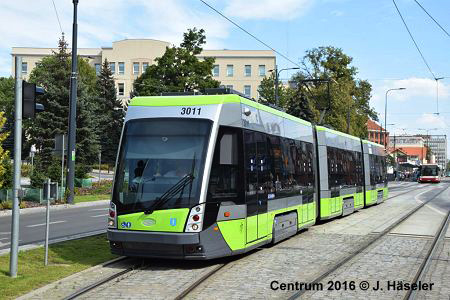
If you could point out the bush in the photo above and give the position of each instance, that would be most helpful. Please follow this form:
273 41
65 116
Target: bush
25 170
37 179
54 170
98 188
6 181
6 204
82 171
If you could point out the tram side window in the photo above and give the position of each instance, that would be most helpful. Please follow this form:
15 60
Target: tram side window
377 169
225 181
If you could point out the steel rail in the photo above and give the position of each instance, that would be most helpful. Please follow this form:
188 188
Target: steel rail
366 245
104 280
439 237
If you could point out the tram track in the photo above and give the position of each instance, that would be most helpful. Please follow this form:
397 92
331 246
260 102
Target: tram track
377 237
424 267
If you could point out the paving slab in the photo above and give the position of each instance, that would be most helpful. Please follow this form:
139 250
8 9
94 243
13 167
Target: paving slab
425 222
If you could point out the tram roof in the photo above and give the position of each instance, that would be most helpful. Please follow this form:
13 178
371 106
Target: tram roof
322 128
372 143
210 100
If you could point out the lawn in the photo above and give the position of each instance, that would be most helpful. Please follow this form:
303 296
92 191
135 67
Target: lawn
65 258
89 198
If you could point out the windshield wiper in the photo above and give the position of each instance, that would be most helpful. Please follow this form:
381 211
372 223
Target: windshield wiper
170 193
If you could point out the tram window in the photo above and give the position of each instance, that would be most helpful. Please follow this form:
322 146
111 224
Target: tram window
275 164
225 182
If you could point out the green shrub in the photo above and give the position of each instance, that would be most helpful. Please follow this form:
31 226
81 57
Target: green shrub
37 179
54 170
82 171
25 170
98 188
6 204
6 180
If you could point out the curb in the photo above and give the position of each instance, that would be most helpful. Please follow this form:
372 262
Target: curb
31 210
54 241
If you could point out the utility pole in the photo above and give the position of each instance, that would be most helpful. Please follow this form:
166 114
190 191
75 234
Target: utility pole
72 110
276 85
17 163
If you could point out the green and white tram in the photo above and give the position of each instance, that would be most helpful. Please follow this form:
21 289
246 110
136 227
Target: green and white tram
206 176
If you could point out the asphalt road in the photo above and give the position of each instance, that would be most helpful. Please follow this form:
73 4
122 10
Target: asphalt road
74 221
63 223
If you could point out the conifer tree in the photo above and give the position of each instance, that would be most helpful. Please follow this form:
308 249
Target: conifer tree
4 157
53 74
112 114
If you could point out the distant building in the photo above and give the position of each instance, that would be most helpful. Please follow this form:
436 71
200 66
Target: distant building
241 70
377 134
438 146
412 146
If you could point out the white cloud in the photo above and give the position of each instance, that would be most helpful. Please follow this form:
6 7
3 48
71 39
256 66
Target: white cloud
267 9
429 121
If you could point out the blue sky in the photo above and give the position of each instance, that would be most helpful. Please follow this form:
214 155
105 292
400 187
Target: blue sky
369 31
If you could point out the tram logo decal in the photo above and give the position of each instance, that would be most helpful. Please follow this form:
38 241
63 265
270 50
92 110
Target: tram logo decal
149 222
126 224
173 221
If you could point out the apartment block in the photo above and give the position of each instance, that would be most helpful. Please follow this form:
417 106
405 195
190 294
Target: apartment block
241 70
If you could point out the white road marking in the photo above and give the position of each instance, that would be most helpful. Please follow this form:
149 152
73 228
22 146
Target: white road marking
3 233
436 210
4 239
106 208
97 216
43 224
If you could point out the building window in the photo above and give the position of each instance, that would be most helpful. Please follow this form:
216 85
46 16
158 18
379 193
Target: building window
24 68
216 70
229 70
248 70
144 66
136 68
121 68
121 89
262 70
247 90
230 86
98 69
112 66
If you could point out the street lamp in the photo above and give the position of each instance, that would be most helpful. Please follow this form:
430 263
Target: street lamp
385 113
277 74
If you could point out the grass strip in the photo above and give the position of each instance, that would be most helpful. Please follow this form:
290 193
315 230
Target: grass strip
90 198
65 258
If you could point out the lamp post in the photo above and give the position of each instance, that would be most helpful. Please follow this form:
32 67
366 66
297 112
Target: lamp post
277 75
437 94
385 113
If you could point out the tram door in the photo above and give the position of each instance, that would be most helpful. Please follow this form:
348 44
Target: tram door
256 193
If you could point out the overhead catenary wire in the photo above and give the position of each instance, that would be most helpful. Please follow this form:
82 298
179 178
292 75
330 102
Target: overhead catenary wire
57 17
434 20
414 41
250 34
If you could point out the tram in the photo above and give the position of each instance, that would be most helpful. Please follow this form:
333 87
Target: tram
429 173
213 175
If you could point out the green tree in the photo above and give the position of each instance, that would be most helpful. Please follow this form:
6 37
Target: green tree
53 74
4 157
179 69
112 114
349 96
7 106
266 91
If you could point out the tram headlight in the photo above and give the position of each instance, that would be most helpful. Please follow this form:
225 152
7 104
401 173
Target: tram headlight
112 216
195 219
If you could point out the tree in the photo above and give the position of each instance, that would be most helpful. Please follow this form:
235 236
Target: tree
112 114
349 96
266 91
179 69
7 106
53 74
4 157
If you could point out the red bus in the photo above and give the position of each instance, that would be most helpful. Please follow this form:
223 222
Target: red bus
429 173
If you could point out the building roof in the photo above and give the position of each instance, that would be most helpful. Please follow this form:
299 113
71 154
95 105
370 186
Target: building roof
373 126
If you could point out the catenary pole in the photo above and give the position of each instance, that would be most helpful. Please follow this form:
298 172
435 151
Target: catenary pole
72 110
17 162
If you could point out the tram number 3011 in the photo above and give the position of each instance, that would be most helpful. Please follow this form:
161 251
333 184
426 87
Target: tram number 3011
190 111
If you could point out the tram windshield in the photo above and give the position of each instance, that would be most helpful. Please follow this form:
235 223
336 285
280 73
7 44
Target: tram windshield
429 171
155 156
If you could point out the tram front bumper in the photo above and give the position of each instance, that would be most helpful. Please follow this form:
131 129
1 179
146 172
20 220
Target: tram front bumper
166 244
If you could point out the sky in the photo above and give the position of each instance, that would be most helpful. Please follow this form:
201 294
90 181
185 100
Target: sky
369 31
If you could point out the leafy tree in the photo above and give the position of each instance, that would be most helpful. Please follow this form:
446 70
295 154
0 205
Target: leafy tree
112 114
179 69
7 106
4 157
348 94
53 74
299 105
266 92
